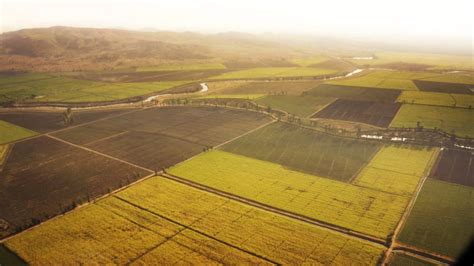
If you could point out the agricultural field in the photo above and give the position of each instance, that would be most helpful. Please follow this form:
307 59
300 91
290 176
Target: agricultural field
436 86
53 120
397 169
148 76
181 67
3 154
209 229
231 96
150 150
302 106
276 72
305 150
66 175
309 61
442 218
433 61
269 87
10 132
64 89
206 126
368 211
455 166
372 113
354 93
400 259
436 98
451 120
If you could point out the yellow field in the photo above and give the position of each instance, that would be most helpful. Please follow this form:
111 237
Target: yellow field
10 132
361 209
272 72
457 120
3 153
396 169
163 222
436 98
438 61
232 96
305 62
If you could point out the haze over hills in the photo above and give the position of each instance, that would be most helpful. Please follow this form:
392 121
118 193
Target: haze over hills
67 48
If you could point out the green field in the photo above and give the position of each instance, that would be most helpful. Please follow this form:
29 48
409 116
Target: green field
305 150
457 120
10 132
275 72
442 218
397 169
164 222
361 209
184 66
400 259
267 87
63 89
436 98
302 106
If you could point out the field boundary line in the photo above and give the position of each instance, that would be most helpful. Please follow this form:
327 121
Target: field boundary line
194 230
93 201
276 210
99 153
364 166
105 138
75 126
421 253
320 109
408 209
246 133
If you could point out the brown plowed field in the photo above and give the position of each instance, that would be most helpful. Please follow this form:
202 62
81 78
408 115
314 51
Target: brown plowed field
150 150
372 113
434 86
455 166
355 93
42 177
50 121
202 125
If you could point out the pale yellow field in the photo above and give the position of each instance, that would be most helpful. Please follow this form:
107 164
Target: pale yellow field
361 209
396 169
436 98
310 60
271 72
3 153
385 79
162 222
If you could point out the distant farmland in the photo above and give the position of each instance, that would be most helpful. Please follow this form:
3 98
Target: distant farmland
271 87
305 150
141 225
355 93
49 88
276 72
436 98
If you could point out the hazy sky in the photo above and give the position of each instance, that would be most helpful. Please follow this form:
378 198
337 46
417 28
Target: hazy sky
402 18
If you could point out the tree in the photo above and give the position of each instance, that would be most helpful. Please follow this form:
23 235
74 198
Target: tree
67 117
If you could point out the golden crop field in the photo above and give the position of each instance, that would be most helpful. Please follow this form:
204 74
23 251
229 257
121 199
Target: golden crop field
3 153
361 209
436 98
160 221
397 169
449 119
11 132
182 66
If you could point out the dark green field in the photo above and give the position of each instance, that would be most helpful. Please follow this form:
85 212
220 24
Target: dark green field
442 218
305 150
